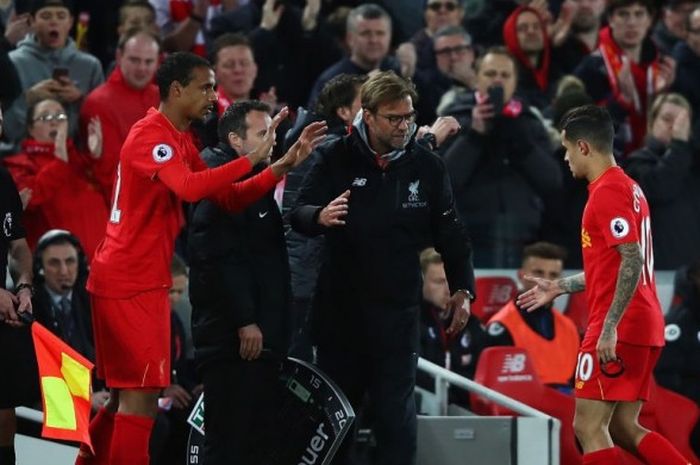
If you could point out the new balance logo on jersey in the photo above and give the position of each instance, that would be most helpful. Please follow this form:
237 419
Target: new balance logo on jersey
162 153
359 182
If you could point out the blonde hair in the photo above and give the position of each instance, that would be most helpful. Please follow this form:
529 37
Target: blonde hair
670 97
385 87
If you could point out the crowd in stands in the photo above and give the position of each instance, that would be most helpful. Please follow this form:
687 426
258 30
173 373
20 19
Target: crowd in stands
75 76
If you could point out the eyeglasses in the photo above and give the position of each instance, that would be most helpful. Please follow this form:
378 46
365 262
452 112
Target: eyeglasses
437 6
51 117
457 49
396 120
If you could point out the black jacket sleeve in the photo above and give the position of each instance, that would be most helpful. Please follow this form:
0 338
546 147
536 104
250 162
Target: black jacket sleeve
661 179
314 194
463 156
450 235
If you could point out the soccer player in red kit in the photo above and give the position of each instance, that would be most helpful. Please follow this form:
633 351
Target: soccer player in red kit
130 274
626 327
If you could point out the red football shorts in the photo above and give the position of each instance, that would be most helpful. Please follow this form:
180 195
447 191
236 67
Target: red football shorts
631 385
132 339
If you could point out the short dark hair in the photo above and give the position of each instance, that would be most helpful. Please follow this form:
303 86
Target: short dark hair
177 67
37 5
385 87
614 5
545 250
339 92
230 39
136 31
366 11
31 110
449 31
497 50
592 124
135 4
178 266
233 119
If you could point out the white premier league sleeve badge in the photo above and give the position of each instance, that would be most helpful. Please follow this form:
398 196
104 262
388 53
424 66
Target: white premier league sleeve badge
619 227
162 153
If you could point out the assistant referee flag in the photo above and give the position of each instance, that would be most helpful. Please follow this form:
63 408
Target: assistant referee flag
65 378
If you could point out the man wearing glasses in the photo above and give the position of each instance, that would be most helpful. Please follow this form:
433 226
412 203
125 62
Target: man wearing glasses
380 197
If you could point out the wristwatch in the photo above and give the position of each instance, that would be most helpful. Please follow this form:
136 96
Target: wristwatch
431 140
469 295
21 286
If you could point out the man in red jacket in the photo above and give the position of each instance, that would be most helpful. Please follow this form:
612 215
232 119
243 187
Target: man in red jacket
124 99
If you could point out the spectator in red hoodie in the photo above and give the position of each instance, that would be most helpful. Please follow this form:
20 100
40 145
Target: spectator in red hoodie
124 99
61 193
525 36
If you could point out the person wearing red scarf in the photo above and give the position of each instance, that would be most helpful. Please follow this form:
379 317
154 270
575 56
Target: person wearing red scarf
626 71
62 192
121 101
525 36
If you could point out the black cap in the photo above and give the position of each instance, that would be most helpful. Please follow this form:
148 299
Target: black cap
39 4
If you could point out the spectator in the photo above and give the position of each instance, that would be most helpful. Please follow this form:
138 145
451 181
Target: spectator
51 67
369 36
15 338
365 309
550 338
183 23
673 26
582 36
525 35
500 166
667 169
626 71
240 295
10 87
136 14
454 56
235 71
486 26
61 302
679 365
121 101
62 194
687 55
458 352
438 14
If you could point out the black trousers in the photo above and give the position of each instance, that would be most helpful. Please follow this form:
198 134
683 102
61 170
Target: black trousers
240 401
387 380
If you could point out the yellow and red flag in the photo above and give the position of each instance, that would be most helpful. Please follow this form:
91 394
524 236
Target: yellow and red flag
66 385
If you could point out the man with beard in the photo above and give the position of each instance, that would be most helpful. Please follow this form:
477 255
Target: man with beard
587 17
380 198
130 274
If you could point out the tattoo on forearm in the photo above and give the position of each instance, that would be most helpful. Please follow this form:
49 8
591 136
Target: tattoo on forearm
627 280
575 283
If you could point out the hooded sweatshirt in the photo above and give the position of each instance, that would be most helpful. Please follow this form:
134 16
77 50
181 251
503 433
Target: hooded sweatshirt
35 63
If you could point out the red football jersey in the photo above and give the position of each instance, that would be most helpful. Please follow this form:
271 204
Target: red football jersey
146 214
617 213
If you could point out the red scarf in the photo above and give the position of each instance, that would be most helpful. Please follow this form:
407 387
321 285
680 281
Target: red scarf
510 37
222 102
644 74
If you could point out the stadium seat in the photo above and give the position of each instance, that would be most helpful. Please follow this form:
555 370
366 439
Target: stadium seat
577 310
673 416
492 292
509 370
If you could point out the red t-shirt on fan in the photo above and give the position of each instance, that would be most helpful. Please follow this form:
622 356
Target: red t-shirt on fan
617 213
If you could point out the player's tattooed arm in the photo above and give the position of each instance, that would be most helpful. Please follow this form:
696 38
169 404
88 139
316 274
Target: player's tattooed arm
574 283
627 280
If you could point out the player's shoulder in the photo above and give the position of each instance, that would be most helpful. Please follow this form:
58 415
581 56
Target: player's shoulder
147 134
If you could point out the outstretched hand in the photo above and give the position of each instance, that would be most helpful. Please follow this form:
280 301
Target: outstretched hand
539 295
459 305
311 136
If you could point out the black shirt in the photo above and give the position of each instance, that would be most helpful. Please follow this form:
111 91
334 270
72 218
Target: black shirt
10 215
